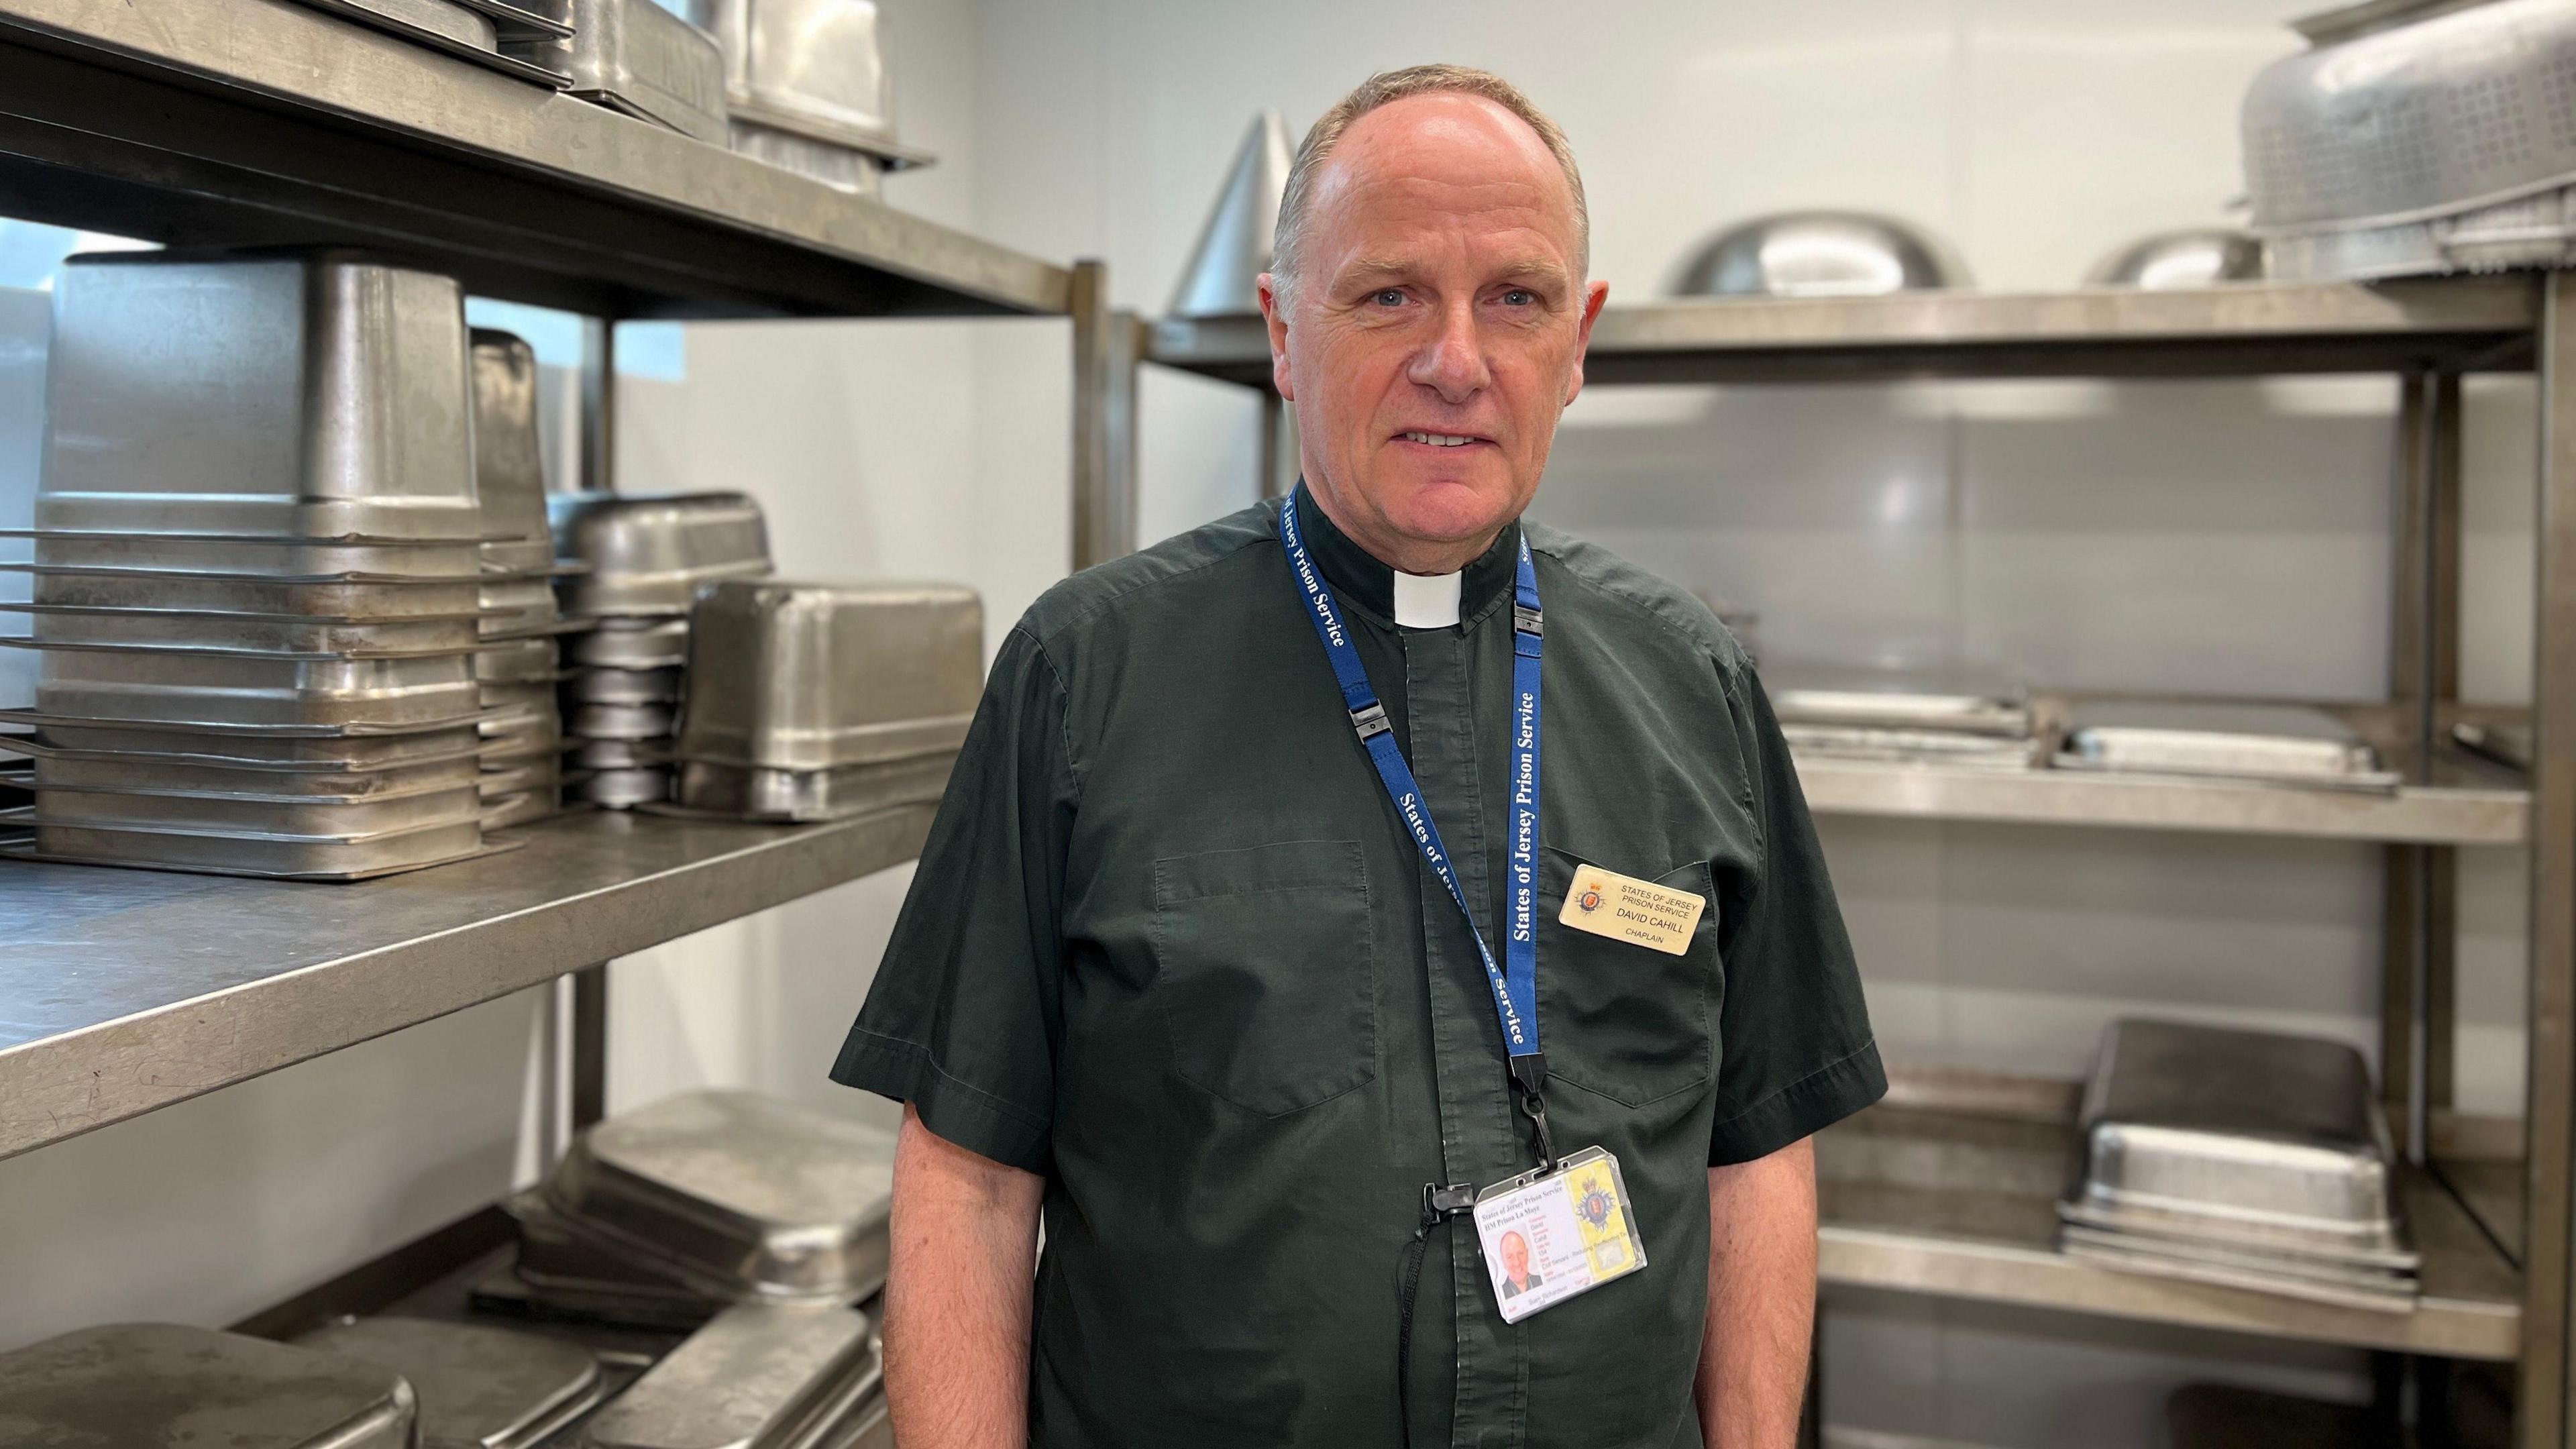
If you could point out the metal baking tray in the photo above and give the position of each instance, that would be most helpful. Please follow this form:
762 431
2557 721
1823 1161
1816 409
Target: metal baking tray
324 754
741 1194
311 395
2240 1129
286 857
509 459
162 1384
290 633
190 689
757 1376
808 795
2272 744
479 1387
517 661
296 816
411 599
809 676
1923 747
861 173
443 561
814 68
872 1429
2397 1297
391 16
649 554
619 721
636 57
621 789
98 770
622 644
602 685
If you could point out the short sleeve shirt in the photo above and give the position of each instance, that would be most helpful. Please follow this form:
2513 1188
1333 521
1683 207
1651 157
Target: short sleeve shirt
1170 947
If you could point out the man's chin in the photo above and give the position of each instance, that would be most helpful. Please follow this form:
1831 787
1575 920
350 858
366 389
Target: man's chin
1448 510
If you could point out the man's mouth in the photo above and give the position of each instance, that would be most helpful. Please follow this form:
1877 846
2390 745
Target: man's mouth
1440 440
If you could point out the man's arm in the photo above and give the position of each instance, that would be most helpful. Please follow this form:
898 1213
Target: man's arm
1761 1299
965 1233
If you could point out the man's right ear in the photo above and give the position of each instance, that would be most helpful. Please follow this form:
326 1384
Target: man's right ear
1275 317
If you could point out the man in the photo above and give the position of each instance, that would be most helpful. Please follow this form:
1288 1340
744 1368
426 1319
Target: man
1188 971
1517 1277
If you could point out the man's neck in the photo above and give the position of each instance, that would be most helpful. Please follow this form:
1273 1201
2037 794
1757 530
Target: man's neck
1404 555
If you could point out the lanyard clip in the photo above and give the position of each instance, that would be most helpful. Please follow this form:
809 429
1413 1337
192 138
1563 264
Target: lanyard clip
1444 1200
1529 1074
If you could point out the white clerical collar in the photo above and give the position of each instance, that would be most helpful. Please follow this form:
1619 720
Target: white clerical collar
1427 601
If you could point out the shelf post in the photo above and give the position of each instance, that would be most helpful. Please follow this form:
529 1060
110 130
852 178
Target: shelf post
598 405
1108 348
2550 1103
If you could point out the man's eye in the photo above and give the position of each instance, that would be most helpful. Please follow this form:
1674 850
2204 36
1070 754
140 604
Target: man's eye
1520 297
1388 297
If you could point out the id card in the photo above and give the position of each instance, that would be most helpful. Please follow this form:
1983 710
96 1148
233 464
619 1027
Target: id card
1551 1235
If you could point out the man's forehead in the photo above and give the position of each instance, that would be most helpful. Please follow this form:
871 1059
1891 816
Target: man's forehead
1423 144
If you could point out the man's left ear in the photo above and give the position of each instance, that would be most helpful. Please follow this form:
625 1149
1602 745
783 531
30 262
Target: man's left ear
1594 295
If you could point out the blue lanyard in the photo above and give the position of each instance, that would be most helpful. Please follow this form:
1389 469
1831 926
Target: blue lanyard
1515 984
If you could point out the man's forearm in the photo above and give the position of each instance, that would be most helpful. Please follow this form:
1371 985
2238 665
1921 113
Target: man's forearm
1761 1299
957 1295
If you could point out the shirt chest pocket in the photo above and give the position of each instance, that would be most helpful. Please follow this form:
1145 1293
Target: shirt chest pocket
1264 968
1626 1021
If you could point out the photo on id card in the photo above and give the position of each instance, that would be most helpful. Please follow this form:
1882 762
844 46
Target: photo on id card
1549 1236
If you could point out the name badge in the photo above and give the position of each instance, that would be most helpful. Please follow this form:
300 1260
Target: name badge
1551 1235
1625 908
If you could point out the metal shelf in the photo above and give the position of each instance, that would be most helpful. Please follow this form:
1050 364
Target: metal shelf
129 990
2418 815
1959 1202
263 122
2457 324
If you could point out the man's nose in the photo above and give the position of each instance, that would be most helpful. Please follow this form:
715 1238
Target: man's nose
1451 362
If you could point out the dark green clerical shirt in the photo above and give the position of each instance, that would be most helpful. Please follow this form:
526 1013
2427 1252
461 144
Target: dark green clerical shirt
1170 946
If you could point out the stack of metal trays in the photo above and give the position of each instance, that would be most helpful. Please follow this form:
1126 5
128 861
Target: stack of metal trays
659 1216
637 58
479 1387
2437 145
647 557
165 1384
756 1376
257 562
1919 717
2245 1159
2269 744
521 662
495 34
820 701
808 87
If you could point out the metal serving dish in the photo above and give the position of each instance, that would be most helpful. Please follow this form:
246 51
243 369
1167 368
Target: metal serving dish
97 770
859 172
736 1193
623 686
757 1376
636 57
183 690
432 23
622 789
307 396
517 661
509 458
328 754
1820 254
809 676
2200 257
338 599
265 813
2234 1129
479 1387
806 795
619 721
282 856
162 1384
650 554
630 644
2266 743
283 633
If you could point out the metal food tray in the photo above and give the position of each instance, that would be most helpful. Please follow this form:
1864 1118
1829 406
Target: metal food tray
757 1376
532 660
503 1291
552 1248
291 633
310 395
281 858
2506 745
649 554
2259 743
619 721
188 688
509 458
731 792
1927 747
2398 1299
811 676
166 1384
619 754
508 812
2375 1277
622 789
443 560
286 816
2149 1228
98 770
742 1194
389 602
480 1387
658 644
91 730
2241 1129
809 67
394 17
1973 714
538 772
636 57
327 754
859 172
604 684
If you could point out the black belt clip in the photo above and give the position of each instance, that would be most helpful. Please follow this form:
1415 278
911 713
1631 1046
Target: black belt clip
1529 1075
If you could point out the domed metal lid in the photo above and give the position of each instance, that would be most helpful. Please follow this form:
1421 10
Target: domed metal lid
1820 254
2167 260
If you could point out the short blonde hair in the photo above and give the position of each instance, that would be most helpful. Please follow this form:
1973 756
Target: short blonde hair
1288 242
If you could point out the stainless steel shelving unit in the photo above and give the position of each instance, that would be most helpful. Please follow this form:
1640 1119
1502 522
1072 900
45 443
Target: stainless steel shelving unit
1972 1220
254 123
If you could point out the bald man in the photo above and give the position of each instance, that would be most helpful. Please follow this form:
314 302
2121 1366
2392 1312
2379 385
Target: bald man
1364 899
